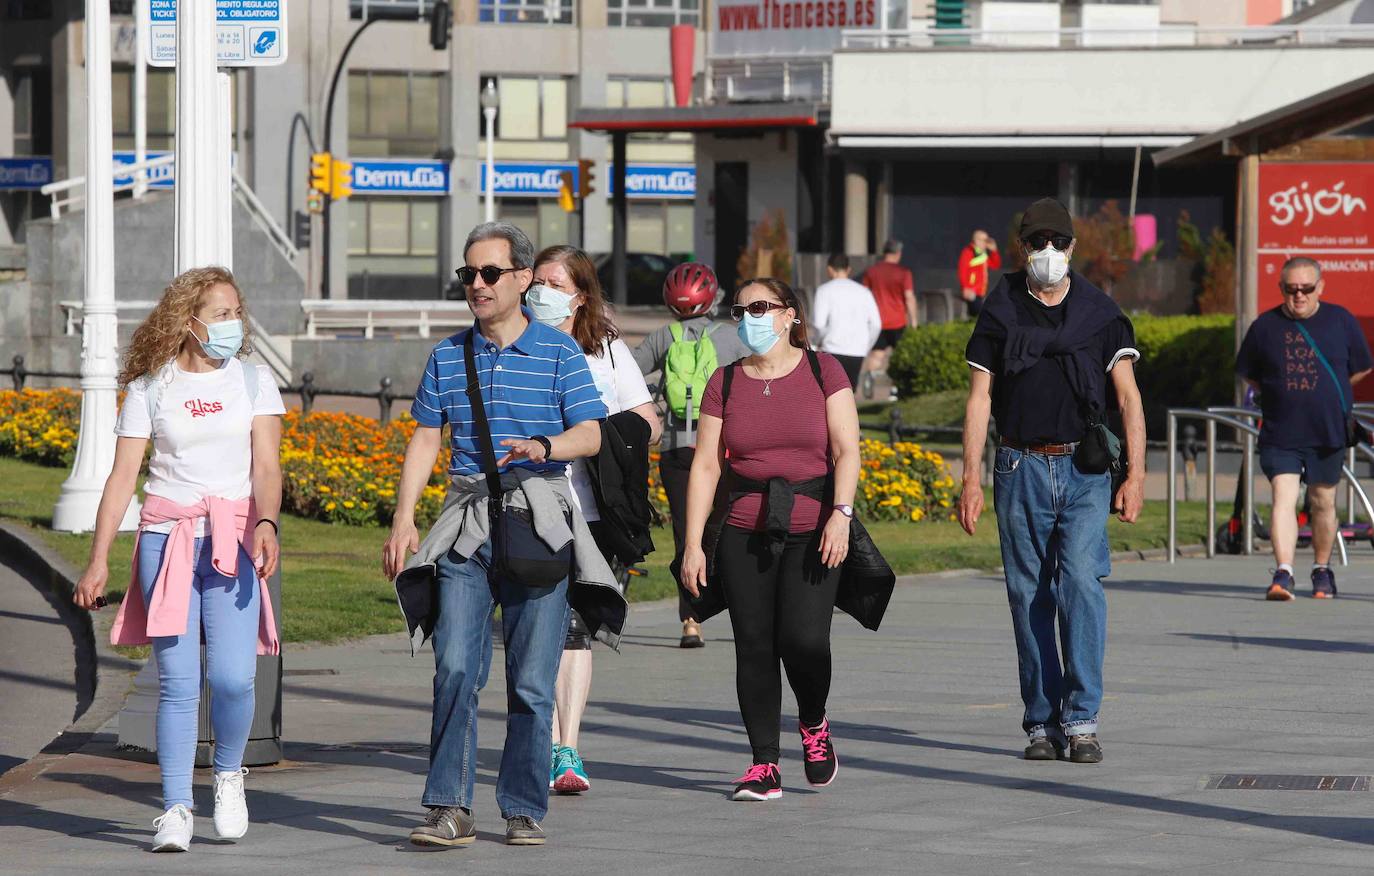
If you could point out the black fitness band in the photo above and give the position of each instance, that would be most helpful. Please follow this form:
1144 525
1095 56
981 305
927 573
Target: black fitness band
548 445
270 522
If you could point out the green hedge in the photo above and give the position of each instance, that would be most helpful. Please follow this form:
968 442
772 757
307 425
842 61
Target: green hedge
1185 361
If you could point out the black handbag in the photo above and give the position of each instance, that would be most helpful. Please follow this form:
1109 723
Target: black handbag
518 553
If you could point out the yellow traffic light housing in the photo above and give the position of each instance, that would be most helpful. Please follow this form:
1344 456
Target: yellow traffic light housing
342 185
565 191
320 179
585 176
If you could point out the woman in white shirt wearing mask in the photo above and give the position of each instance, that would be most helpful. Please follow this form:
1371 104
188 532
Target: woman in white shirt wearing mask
567 295
207 540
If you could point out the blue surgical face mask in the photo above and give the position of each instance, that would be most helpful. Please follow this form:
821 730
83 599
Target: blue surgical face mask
548 305
223 338
757 332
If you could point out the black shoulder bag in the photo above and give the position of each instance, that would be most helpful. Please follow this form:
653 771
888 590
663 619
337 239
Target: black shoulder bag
518 553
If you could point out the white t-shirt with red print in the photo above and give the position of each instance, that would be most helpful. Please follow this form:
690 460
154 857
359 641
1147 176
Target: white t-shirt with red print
202 437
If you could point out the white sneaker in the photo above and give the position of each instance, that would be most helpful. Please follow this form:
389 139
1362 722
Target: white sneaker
231 810
174 829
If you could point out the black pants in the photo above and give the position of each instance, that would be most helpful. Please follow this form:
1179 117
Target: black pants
853 366
780 609
674 470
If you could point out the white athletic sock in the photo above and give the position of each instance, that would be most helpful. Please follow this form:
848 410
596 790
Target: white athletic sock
1286 567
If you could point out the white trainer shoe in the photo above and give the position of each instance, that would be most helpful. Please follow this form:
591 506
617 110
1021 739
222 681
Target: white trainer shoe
231 809
174 829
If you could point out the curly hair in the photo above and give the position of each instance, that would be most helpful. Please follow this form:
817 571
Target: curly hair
592 323
159 338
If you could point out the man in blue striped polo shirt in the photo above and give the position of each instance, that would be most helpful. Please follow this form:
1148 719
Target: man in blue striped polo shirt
544 411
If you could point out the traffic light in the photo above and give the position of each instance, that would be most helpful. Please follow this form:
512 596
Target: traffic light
565 191
440 19
342 185
585 166
301 229
320 163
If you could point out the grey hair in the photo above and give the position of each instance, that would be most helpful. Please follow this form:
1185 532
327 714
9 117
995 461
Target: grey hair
521 250
1300 262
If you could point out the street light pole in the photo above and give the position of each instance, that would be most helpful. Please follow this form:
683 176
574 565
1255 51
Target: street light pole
80 497
490 101
140 95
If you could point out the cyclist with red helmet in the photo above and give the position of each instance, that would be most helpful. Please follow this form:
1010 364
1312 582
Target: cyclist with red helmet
686 352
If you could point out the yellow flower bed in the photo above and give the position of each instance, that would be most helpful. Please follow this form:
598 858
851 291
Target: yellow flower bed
903 481
39 425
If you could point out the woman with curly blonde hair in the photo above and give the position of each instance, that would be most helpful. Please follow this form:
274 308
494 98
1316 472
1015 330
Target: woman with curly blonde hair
207 539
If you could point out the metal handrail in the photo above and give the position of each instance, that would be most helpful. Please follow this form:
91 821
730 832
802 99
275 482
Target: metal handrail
1232 417
56 204
275 232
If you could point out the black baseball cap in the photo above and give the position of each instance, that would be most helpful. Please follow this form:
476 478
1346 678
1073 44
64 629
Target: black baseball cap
1046 215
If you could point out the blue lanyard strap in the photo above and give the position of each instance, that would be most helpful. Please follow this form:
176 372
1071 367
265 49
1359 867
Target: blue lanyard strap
1329 370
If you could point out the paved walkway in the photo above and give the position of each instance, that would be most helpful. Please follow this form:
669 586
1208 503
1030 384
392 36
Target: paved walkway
38 687
1204 679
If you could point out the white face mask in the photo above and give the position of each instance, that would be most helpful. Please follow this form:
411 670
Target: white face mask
1047 266
548 305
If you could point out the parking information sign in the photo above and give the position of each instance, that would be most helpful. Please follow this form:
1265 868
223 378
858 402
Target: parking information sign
252 33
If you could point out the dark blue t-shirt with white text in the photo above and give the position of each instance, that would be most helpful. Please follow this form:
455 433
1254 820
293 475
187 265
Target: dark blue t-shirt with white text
1302 406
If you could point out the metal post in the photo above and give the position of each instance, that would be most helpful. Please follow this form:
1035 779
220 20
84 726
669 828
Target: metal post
384 401
328 140
1189 462
76 506
1249 494
490 101
308 392
140 95
1350 488
1172 440
620 212
894 425
1211 489
203 186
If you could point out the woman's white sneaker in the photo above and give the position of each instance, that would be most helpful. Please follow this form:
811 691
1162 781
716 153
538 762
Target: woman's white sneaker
231 809
174 828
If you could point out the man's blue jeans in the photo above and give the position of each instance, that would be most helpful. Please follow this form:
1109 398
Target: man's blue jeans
1052 521
534 622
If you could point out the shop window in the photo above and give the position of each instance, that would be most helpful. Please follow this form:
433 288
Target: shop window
652 13
397 114
525 11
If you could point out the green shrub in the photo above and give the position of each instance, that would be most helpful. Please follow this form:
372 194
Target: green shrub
931 359
1186 361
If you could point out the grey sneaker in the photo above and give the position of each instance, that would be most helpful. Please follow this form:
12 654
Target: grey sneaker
1084 748
521 830
445 826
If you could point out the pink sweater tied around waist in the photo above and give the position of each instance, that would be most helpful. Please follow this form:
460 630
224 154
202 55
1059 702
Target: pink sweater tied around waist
137 624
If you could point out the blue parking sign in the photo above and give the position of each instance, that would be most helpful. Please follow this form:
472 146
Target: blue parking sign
249 33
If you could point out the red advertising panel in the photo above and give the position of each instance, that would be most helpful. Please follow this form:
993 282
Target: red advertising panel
1324 211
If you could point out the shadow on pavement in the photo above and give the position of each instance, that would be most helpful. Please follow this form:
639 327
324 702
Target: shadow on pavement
1319 645
1252 592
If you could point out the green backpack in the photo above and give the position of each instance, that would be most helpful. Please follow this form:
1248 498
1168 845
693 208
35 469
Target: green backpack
686 368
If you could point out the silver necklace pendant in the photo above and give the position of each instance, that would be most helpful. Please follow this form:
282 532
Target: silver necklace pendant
767 387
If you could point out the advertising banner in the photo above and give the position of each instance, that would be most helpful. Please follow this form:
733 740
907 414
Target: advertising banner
784 27
530 179
396 176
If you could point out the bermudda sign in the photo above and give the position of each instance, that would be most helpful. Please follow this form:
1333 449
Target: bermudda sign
385 176
785 27
541 180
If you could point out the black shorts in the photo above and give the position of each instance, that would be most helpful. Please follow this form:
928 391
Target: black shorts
1316 465
888 338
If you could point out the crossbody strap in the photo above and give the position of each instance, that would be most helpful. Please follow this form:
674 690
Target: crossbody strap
1329 370
479 415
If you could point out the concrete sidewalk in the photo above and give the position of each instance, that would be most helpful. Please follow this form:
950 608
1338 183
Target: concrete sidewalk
1204 678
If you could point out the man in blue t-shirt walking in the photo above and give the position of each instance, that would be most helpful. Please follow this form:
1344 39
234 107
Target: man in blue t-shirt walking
1304 357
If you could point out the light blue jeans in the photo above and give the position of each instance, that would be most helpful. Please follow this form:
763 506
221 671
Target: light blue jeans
1052 521
228 610
534 621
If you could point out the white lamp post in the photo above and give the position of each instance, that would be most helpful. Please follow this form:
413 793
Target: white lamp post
80 497
490 101
204 196
140 95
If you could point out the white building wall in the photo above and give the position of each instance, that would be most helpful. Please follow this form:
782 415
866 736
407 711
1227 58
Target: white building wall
1025 24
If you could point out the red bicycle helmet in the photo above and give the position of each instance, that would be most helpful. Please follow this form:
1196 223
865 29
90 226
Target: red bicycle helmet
690 289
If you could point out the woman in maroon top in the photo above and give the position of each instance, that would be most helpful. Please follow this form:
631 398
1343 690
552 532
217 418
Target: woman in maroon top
788 419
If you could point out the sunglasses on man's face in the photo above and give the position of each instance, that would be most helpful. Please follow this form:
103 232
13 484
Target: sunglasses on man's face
754 308
1292 289
489 274
1041 239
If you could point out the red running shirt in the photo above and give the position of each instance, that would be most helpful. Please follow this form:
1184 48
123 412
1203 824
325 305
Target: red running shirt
783 434
889 282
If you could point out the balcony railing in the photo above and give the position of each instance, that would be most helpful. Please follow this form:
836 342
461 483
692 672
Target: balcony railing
1166 35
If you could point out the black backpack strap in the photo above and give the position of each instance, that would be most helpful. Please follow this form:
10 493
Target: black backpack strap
479 415
815 362
725 380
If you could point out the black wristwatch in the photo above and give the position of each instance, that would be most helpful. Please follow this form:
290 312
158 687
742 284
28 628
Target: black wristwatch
548 445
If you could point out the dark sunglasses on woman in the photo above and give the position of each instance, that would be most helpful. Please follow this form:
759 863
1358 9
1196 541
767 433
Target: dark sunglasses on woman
754 308
489 273
1039 239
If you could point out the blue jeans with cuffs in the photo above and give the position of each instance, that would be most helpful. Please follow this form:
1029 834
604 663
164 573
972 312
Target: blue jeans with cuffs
1052 522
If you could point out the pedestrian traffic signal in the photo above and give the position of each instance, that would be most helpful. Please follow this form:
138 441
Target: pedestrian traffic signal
565 191
585 166
301 229
320 179
342 185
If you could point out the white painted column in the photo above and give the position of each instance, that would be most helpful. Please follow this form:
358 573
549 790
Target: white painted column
202 166
140 95
80 497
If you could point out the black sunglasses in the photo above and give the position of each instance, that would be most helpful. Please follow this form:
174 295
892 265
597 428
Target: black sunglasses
1291 289
1039 239
754 308
489 273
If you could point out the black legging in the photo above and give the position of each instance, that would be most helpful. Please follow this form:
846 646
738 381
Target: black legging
674 470
779 609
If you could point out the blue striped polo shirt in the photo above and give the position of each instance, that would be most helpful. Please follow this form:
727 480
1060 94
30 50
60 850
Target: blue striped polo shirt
539 385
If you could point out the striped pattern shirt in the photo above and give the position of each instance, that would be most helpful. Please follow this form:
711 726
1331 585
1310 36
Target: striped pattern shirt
539 385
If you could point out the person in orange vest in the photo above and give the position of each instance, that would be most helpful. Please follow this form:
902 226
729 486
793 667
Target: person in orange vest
979 257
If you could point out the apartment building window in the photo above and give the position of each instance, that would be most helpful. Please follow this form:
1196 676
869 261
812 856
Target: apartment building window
162 107
398 114
530 108
393 247
653 13
525 11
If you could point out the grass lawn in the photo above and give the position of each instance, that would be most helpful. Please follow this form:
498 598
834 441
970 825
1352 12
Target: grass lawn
332 585
932 409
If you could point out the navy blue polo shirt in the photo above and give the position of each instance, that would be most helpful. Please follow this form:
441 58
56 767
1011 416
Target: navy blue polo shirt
539 385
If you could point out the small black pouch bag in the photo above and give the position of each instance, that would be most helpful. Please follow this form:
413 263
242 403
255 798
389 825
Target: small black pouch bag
518 553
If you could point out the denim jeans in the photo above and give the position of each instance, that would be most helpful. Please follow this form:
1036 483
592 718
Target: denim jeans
228 609
1052 521
534 622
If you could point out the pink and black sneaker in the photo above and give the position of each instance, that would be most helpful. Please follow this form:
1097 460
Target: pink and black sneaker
818 752
762 781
